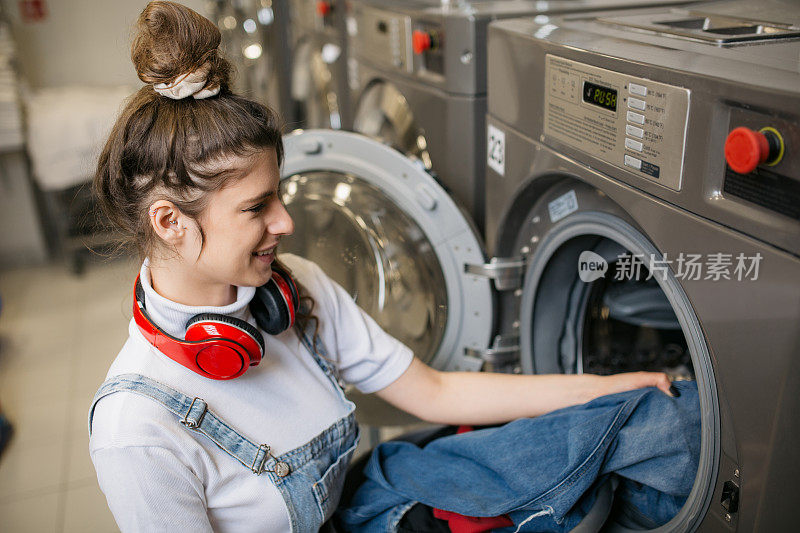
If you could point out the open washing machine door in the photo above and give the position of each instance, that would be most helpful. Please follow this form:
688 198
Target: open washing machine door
383 113
381 226
314 84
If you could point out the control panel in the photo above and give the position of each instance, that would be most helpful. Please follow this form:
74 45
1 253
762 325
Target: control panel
633 123
315 14
384 37
397 41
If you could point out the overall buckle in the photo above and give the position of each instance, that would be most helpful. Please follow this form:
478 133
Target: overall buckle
258 469
196 419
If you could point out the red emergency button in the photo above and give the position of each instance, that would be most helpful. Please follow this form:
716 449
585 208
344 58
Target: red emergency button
745 149
324 8
421 41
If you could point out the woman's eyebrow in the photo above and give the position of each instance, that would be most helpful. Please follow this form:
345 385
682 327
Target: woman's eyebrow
260 197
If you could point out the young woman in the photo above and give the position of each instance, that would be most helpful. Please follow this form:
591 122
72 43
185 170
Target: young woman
190 173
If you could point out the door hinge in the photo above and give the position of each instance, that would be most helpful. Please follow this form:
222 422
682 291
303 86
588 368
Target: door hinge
504 351
730 496
506 272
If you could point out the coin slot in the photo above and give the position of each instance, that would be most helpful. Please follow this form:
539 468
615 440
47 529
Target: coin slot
689 24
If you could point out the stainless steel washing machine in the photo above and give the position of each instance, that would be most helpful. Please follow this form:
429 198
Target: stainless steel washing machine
418 71
431 107
608 137
255 39
319 64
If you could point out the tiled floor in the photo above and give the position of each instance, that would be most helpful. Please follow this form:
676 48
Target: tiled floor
58 335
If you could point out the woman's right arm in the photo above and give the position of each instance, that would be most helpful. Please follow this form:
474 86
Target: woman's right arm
148 488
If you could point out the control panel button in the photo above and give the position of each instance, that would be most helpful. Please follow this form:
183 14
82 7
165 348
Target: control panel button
636 103
636 118
637 89
633 145
633 162
745 149
421 41
324 8
633 131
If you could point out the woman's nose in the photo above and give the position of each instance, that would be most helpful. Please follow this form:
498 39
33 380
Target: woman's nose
281 222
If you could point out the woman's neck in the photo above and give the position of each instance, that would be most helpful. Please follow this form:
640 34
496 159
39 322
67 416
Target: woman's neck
173 280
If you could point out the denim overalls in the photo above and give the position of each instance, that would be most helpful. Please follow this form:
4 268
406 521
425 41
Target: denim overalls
309 477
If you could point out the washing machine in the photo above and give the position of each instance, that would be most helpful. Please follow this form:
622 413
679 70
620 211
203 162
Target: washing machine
644 168
319 64
418 73
255 39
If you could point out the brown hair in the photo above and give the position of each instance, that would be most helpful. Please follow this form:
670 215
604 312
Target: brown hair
165 148
160 148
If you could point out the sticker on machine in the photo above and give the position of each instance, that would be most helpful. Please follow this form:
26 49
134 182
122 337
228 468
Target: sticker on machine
563 206
496 150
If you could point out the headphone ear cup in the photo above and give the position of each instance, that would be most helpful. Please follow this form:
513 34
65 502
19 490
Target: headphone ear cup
227 345
270 307
292 285
232 321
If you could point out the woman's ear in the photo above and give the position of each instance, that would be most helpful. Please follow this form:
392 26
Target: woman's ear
167 222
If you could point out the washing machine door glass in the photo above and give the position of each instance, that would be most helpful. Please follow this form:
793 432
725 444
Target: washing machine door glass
314 82
248 37
384 114
371 248
390 236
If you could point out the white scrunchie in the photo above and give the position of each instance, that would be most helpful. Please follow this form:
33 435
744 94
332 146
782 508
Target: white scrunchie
189 84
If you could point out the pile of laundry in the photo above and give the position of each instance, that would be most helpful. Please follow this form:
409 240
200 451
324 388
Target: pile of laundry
544 473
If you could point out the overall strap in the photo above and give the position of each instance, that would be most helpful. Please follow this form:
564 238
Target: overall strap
320 354
194 414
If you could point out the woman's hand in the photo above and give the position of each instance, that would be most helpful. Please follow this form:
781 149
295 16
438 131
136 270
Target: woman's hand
637 380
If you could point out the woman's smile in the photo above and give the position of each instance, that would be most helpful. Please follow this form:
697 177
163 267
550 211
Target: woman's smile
266 257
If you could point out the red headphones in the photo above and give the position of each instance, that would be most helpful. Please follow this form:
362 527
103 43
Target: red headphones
220 346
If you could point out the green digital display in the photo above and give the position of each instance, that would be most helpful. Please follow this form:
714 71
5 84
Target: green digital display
600 96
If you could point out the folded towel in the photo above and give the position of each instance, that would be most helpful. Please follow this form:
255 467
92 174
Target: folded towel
67 128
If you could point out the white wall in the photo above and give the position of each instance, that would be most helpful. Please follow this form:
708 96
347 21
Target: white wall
80 42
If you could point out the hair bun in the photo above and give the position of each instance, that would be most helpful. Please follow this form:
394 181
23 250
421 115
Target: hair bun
172 40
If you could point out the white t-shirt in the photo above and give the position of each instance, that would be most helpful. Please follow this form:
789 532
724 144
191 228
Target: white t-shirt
159 476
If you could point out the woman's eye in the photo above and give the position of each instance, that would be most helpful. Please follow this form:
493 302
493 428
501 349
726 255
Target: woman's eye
256 208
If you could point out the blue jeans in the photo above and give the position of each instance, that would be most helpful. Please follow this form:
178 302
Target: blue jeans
543 472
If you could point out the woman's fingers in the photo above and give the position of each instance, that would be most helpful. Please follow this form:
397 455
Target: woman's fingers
664 384
660 380
639 380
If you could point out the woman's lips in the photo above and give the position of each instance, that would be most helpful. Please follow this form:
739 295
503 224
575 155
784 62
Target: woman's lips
267 259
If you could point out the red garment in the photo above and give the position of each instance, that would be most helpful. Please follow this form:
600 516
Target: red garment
471 524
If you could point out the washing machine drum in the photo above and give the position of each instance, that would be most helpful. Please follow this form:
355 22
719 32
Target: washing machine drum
373 250
624 318
608 325
383 113
314 82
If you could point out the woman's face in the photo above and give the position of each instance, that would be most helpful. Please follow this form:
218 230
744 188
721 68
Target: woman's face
243 223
